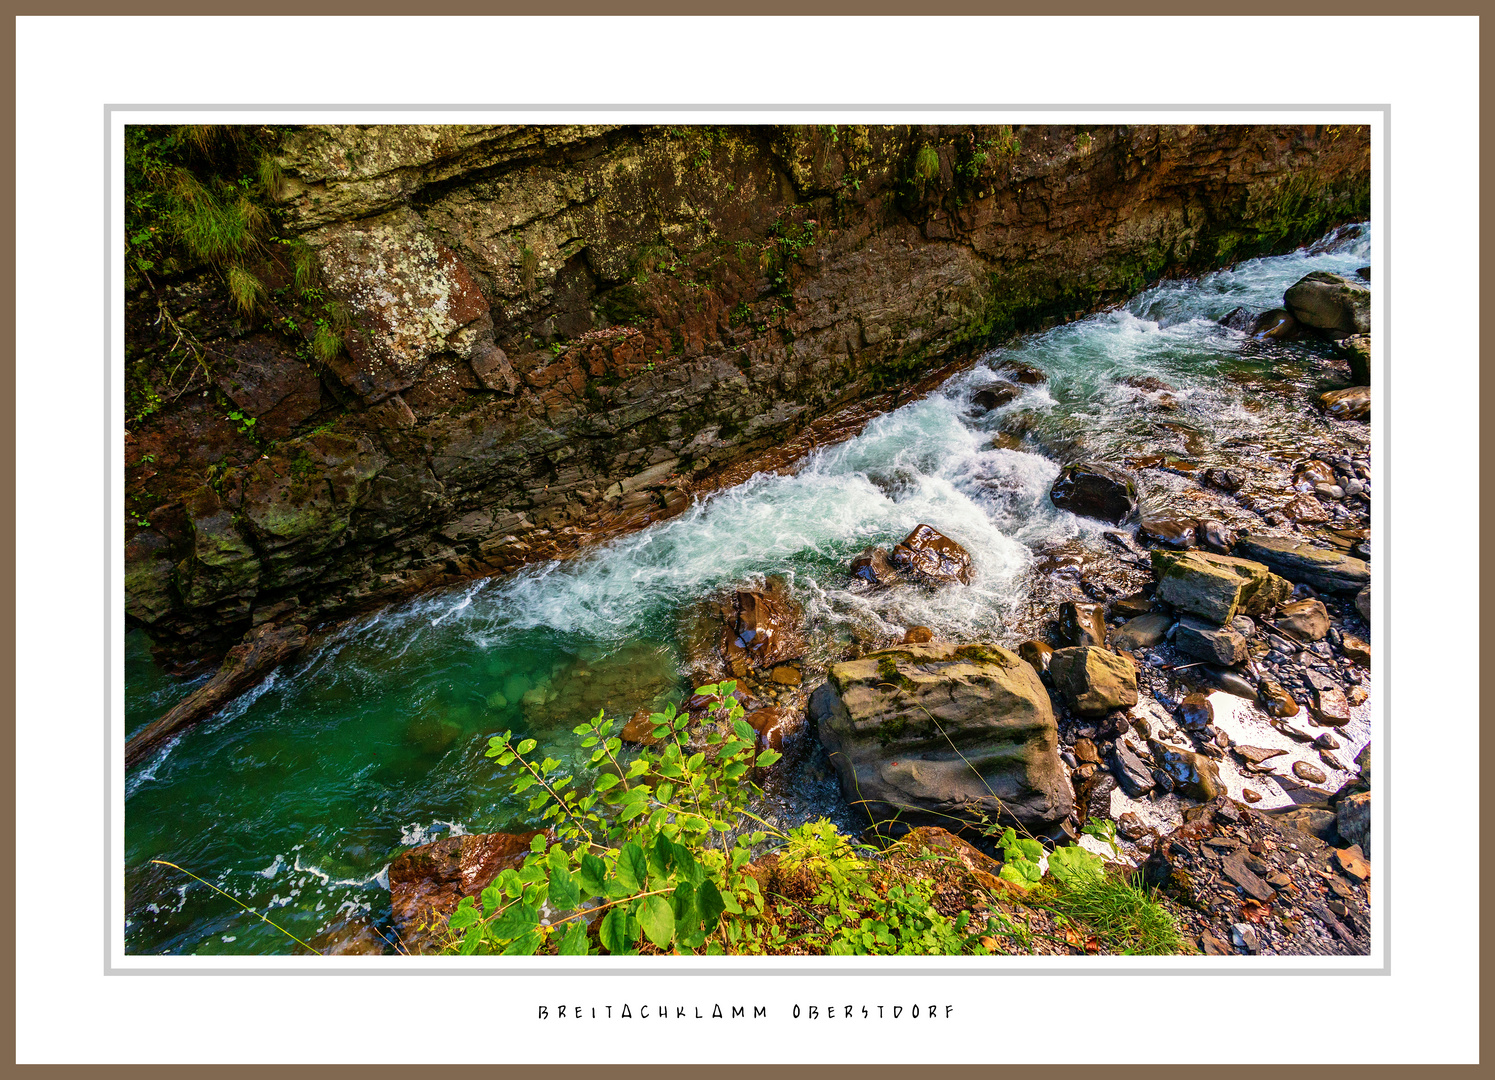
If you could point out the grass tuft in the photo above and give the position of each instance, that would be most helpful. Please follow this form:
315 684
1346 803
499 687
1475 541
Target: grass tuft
246 289
1121 913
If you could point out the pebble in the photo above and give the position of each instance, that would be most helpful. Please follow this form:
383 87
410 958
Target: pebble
1250 796
1304 771
1326 742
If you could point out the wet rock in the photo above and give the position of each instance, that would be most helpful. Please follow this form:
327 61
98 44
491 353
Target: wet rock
1097 491
1227 480
1085 751
1326 742
932 558
1331 761
1168 530
1250 796
1330 302
639 729
1356 349
356 936
1193 774
1232 682
427 883
1323 569
1353 819
944 731
1274 698
774 725
1275 325
1130 827
1095 795
1019 371
1143 632
763 629
1257 754
1352 861
1329 707
1093 680
1195 712
1082 624
1305 620
1131 772
994 397
1037 654
1352 403
1362 603
917 635
1129 606
785 675
1214 535
1314 820
1311 773
1234 867
1196 585
1362 762
1204 641
1311 474
1305 510
874 567
1356 695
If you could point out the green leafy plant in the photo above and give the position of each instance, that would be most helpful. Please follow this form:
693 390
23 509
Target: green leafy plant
245 423
927 163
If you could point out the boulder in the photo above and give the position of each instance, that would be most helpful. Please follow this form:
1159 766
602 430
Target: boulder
944 732
1168 530
1093 680
1275 325
1356 349
1353 819
1305 620
873 567
1097 491
994 397
1019 371
931 558
1330 302
1192 774
1362 762
1352 403
1325 570
1214 587
1362 603
1082 624
428 882
1205 641
1314 820
1143 632
763 629
1329 707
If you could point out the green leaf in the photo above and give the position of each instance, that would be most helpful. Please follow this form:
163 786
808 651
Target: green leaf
493 898
518 919
768 757
466 915
661 856
657 920
745 731
575 941
711 904
471 940
686 867
524 946
663 792
607 781
633 867
526 746
1073 864
618 933
564 893
591 875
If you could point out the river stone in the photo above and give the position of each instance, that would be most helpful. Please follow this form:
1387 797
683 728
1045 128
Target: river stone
994 397
1329 707
1085 751
1037 654
1356 349
1143 632
1330 302
1256 755
1227 480
1215 535
1082 624
1191 582
1325 570
1020 371
1352 403
873 567
1131 771
1313 820
1097 491
1362 762
917 635
1353 819
762 629
1306 620
1276 325
1195 712
1094 681
942 731
932 558
1204 641
1193 774
1169 530
1275 700
1310 474
1362 603
1311 773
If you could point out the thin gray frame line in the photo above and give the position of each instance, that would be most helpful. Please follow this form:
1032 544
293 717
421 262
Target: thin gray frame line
1382 227
583 106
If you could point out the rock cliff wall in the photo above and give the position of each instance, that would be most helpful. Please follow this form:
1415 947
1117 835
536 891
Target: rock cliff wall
554 334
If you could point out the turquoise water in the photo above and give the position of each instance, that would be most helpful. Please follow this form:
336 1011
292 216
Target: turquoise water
296 797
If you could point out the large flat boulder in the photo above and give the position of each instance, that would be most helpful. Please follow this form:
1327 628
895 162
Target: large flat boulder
944 733
1216 587
1326 570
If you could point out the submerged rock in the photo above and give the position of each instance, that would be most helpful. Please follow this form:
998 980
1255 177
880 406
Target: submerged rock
942 731
1352 403
994 397
1274 698
1094 681
763 630
1037 654
1022 372
1275 325
1169 530
1195 712
1330 302
873 567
